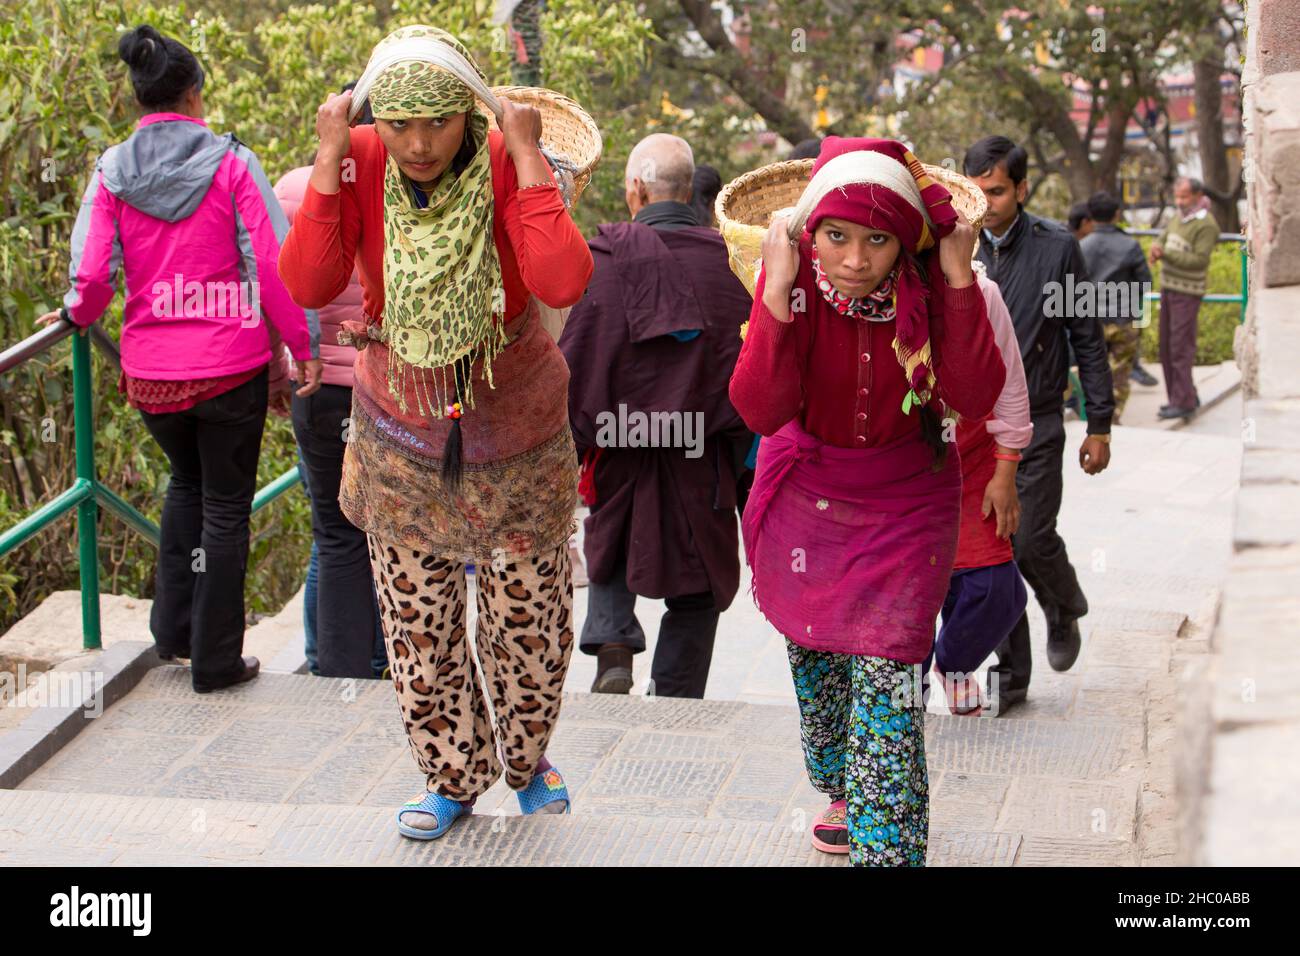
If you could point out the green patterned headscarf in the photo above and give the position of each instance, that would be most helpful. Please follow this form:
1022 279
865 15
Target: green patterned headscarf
442 277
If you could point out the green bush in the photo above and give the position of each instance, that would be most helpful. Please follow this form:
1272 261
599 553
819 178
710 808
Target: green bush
266 73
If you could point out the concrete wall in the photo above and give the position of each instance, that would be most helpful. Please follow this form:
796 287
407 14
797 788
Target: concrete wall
1239 776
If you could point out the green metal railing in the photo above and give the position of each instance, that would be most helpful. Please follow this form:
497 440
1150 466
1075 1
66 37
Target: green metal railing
88 493
1150 298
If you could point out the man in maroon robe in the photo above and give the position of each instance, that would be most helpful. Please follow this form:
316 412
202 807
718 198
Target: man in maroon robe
651 348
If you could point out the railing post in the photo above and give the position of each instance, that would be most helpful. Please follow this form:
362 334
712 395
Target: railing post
1245 282
88 509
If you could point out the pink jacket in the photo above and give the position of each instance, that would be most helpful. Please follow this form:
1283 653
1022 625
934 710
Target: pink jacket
1010 423
191 220
338 359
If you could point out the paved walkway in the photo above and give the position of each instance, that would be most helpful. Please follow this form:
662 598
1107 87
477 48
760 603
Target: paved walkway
294 769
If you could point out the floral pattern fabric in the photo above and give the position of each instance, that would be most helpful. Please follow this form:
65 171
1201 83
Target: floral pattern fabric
863 734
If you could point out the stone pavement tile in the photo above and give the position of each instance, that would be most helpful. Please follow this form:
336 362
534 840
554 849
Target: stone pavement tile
661 713
1058 851
272 742
764 774
164 858
56 856
635 805
98 822
1131 680
1051 695
1129 649
402 782
664 779
1134 619
767 725
657 745
379 730
1032 747
747 808
573 740
348 774
769 671
112 763
222 780
192 718
1081 810
971 848
966 801
1107 704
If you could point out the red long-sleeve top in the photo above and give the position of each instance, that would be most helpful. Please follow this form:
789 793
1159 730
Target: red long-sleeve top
840 375
541 252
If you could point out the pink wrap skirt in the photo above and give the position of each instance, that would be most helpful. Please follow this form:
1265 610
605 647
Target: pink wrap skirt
851 550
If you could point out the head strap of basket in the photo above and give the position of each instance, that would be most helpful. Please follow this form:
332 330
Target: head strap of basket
571 141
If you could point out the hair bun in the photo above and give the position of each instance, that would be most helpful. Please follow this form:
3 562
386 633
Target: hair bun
142 49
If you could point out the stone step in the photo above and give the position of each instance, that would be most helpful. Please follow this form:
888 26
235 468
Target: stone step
53 829
1001 789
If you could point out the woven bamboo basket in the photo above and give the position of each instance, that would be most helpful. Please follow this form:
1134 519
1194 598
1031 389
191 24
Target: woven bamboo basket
566 129
747 204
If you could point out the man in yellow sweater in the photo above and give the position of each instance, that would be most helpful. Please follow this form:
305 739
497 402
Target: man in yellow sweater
1185 250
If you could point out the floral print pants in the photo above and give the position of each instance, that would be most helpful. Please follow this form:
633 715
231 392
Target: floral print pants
863 733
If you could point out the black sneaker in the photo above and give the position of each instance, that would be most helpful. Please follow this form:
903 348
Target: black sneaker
1143 377
1063 643
1171 411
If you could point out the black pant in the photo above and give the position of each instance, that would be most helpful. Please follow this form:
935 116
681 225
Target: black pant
684 650
1039 550
346 610
198 608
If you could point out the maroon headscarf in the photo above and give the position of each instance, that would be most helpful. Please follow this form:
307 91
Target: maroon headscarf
879 207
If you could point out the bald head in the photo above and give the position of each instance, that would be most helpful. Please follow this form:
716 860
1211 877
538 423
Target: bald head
661 167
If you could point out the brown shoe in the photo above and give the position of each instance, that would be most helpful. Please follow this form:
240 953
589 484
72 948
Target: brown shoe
252 666
613 670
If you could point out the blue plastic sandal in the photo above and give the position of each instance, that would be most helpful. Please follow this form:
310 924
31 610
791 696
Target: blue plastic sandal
446 811
545 788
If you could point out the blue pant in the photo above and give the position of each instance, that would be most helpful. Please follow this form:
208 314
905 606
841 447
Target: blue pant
981 607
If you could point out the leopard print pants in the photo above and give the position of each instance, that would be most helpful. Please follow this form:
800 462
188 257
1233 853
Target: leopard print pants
522 645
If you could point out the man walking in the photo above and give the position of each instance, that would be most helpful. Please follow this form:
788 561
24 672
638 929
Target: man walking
655 339
1120 278
1030 258
1184 250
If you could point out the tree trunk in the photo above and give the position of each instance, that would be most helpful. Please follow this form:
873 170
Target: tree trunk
1209 137
731 68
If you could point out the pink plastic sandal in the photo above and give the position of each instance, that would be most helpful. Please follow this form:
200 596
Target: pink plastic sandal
831 822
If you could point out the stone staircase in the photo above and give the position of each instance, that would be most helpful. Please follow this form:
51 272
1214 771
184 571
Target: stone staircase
294 769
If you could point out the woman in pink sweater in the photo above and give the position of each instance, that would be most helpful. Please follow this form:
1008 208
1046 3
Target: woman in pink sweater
189 218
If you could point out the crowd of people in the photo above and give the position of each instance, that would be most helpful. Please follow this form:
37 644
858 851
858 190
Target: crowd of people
890 428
